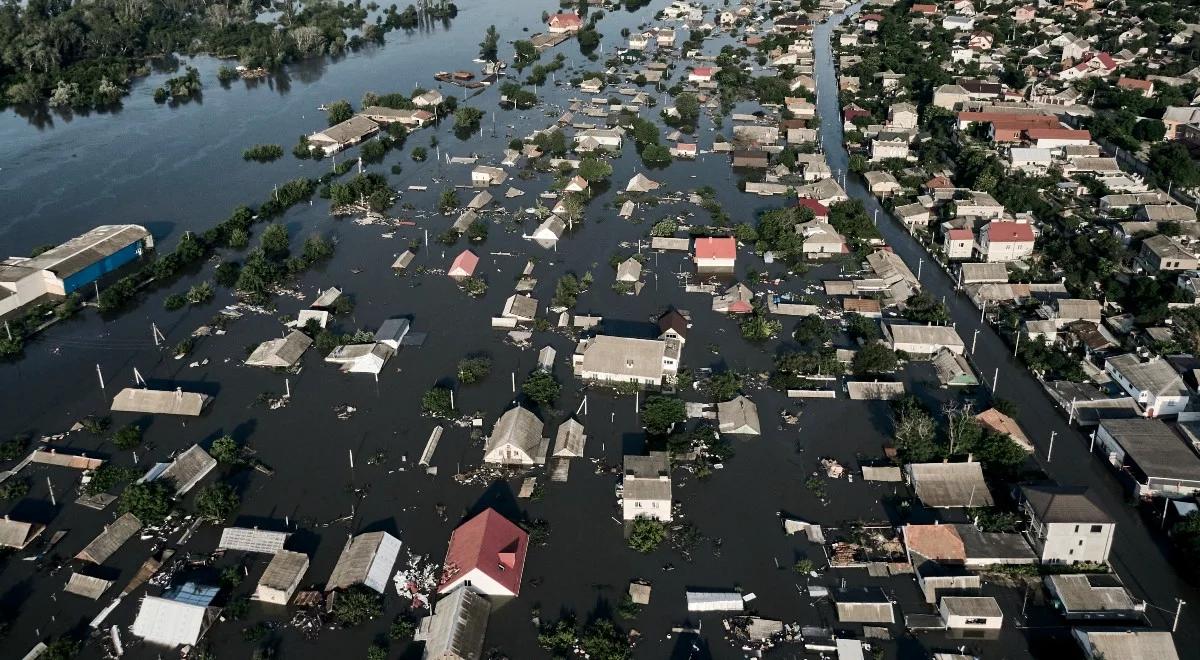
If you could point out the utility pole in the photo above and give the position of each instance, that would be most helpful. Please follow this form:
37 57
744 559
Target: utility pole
920 263
1050 451
973 338
1178 610
995 377
8 330
1017 344
982 310
100 375
157 334
1166 502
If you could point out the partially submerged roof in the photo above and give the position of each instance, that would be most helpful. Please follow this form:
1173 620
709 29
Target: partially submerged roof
284 352
950 484
641 183
170 622
972 606
83 251
188 469
458 625
249 539
160 402
367 560
86 586
738 416
18 533
570 439
284 571
518 426
488 543
1128 644
1091 592
111 539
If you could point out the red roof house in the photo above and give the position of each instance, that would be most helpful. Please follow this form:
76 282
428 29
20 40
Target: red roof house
715 252
464 265
820 211
566 22
702 74
486 553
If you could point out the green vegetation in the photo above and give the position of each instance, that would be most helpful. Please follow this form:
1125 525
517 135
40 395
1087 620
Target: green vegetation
150 502
812 330
541 387
723 386
757 326
356 606
873 359
128 437
471 370
646 534
793 368
108 477
217 502
226 450
338 112
177 89
14 489
921 307
436 402
661 412
915 430
369 187
467 118
594 169
263 153
489 47
11 450
566 291
518 95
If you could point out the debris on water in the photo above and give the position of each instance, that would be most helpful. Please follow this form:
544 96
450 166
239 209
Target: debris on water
417 578
344 411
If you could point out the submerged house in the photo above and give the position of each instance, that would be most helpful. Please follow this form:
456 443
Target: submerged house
457 627
282 577
367 559
646 487
463 265
627 360
486 553
570 440
160 402
18 534
110 539
516 440
179 617
280 353
738 417
76 263
343 135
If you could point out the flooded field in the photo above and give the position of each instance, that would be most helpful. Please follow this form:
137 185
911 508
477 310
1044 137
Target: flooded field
179 169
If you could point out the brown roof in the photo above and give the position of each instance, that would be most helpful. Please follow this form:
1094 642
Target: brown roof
936 542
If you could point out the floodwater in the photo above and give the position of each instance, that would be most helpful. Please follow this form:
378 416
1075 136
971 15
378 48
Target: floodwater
177 169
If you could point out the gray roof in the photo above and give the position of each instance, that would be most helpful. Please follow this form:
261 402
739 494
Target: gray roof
326 298
1006 546
984 606
891 268
518 426
354 128
355 563
283 352
520 306
927 335
17 533
570 439
1086 592
458 625
188 469
1129 644
111 539
392 330
86 586
950 484
172 622
629 270
1154 447
626 356
248 539
83 251
738 416
1078 308
160 402
1063 504
285 569
646 489
654 465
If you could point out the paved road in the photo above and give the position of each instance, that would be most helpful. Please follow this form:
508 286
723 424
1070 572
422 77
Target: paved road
1137 556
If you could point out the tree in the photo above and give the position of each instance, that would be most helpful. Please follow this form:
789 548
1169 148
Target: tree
488 48
914 430
602 640
317 249
448 200
861 327
593 169
477 231
560 638
436 402
150 502
467 117
541 387
473 369
226 450
661 412
812 330
757 326
1149 130
128 437
275 242
921 307
646 535
566 291
666 227
874 358
403 627
357 605
526 53
1171 163
655 154
339 111
216 502
724 386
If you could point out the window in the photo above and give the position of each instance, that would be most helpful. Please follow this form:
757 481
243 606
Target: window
1076 529
1096 529
975 622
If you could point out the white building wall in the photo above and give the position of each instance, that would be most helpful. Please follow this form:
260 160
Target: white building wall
1068 543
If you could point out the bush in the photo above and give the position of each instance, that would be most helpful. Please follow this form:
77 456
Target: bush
356 606
174 302
263 153
216 502
541 387
129 437
472 370
436 402
150 502
661 413
14 489
109 476
646 535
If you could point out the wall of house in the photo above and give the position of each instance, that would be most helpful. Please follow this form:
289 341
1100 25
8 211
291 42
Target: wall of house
656 509
1068 543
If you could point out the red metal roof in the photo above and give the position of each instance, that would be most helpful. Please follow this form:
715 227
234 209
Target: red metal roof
1009 232
819 210
491 544
716 248
702 71
960 234
464 263
565 20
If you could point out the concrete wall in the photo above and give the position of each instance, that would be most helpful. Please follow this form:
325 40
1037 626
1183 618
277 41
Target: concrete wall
1067 543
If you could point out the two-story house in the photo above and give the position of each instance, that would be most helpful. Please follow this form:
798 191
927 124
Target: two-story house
1156 387
1066 526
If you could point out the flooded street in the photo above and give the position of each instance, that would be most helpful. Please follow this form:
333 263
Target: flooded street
180 169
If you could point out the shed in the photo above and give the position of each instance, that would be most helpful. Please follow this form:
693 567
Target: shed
110 539
480 200
282 353
863 605
670 244
738 416
942 485
714 601
953 370
250 539
546 358
457 627
160 402
971 612
18 534
86 586
570 440
639 592
392 332
326 298
367 559
403 260
282 577
520 307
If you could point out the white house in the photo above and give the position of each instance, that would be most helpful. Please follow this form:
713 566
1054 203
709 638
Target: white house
1154 384
971 613
646 487
1005 241
627 360
516 440
1066 526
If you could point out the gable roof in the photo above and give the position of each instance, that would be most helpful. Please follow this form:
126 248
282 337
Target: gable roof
491 544
1063 504
710 247
518 426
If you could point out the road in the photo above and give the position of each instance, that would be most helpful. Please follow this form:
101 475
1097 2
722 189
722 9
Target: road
1137 555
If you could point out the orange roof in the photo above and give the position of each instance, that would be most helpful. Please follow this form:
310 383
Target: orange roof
936 542
716 248
1001 423
860 305
960 235
1134 83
